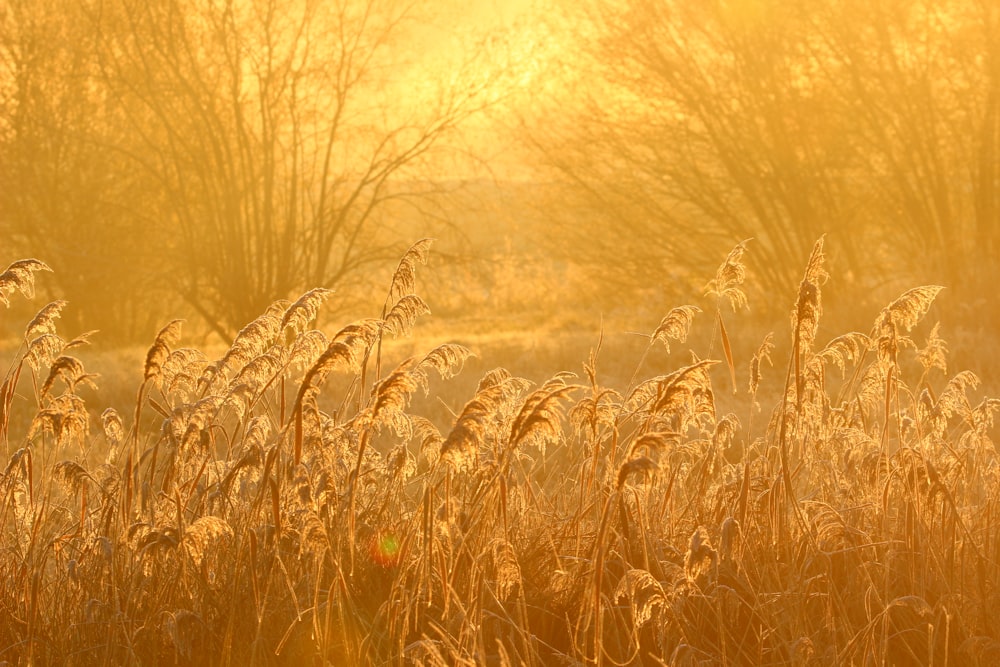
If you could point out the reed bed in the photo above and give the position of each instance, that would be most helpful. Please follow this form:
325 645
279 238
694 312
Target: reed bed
283 504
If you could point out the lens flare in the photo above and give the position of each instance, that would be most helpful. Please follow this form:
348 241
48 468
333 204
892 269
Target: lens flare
385 549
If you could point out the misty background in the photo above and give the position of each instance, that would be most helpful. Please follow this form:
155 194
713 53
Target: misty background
580 165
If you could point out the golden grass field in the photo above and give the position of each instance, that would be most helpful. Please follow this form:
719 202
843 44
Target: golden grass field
303 497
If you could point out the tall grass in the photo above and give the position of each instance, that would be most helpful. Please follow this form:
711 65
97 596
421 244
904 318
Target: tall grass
283 504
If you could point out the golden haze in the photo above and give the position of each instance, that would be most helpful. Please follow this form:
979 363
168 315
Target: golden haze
504 333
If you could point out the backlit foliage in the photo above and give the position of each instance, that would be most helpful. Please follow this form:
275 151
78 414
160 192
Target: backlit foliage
285 503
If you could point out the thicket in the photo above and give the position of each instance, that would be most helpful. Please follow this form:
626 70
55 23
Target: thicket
679 127
282 503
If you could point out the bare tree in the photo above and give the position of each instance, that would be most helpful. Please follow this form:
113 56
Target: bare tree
696 125
272 135
919 85
63 195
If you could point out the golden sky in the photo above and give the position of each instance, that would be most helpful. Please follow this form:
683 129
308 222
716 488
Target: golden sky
489 13
506 41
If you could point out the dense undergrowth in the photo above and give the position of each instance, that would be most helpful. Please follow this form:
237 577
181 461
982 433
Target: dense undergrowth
282 505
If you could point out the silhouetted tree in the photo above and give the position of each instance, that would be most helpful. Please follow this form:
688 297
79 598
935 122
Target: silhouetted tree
275 135
232 153
693 125
65 196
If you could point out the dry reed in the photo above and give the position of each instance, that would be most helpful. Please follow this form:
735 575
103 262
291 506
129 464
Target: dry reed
273 517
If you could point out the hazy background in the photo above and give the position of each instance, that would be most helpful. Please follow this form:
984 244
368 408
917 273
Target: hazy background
581 165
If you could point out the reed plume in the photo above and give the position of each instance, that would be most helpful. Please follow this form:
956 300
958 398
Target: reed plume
20 276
